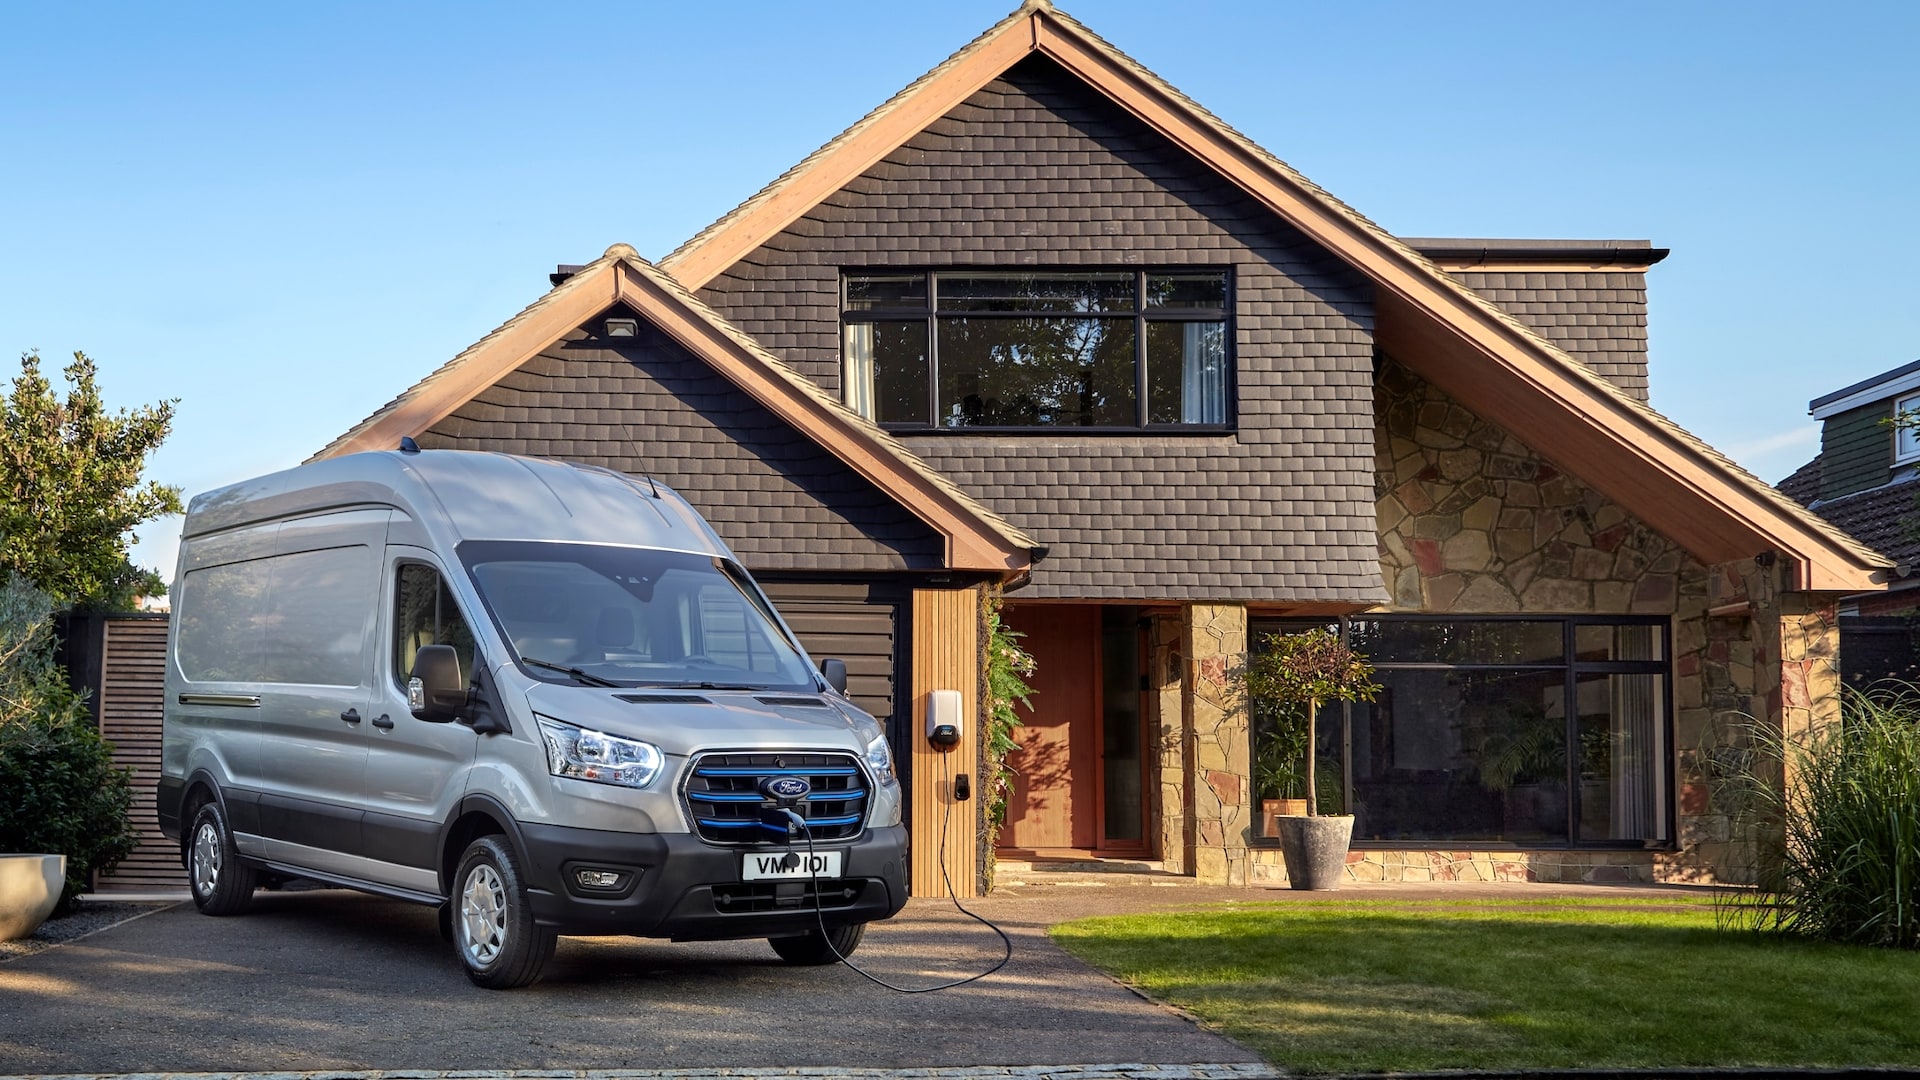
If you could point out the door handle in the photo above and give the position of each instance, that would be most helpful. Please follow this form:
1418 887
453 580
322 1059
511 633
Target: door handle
351 716
383 723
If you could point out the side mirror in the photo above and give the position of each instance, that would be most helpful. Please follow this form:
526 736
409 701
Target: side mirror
435 692
836 674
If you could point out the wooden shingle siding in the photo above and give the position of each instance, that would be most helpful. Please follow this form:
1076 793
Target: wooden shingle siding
1598 317
131 695
1856 450
646 406
1036 169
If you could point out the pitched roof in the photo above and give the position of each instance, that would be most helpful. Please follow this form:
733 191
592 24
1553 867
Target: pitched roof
976 537
1435 324
1885 518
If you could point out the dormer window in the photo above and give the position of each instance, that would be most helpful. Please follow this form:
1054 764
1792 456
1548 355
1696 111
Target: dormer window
974 349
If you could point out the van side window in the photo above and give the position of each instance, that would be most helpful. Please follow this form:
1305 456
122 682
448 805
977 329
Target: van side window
425 614
293 618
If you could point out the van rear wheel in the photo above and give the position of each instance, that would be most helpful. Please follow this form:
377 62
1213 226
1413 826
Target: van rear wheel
814 948
220 883
493 928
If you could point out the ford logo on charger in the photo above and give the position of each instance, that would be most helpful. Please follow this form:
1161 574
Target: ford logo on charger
785 788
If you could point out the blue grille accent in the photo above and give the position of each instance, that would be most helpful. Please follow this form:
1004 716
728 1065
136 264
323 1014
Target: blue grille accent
724 800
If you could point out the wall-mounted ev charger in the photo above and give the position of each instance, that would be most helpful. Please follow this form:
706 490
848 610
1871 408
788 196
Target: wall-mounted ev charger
944 720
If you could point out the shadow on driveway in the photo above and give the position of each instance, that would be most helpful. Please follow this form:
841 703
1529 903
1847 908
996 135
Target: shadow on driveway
331 979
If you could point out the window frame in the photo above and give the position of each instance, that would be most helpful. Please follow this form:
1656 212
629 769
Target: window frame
1571 667
1141 314
1906 440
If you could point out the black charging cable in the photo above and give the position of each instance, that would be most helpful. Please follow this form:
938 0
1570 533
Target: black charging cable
946 819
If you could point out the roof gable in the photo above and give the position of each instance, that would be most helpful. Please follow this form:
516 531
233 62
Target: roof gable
1435 324
976 538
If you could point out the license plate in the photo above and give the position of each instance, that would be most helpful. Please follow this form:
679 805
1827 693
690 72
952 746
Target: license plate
776 865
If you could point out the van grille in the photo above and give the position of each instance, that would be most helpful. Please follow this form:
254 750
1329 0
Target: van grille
724 800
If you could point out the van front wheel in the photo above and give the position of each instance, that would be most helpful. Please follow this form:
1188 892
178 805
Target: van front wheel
493 927
814 948
220 883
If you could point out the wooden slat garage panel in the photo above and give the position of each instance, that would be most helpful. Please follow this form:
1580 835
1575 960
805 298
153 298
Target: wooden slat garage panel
859 624
132 692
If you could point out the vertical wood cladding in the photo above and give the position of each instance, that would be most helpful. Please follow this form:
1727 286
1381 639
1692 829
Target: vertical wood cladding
646 406
132 690
1856 450
1598 317
1037 170
946 649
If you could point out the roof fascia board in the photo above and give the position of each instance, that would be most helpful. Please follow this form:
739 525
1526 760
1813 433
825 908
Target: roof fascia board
968 547
1878 392
843 160
1485 266
484 363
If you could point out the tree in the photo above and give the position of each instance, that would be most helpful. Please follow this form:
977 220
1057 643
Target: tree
70 490
1308 668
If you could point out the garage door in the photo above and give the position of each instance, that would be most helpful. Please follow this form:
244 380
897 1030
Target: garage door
858 623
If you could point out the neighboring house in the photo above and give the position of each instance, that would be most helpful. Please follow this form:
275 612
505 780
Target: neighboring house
1041 323
1863 481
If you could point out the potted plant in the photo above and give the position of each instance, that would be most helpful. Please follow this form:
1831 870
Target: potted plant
1299 671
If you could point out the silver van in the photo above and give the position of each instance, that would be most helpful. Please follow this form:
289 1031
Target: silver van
543 697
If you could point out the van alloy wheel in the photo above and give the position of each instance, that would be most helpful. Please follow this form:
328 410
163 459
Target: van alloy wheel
483 915
206 859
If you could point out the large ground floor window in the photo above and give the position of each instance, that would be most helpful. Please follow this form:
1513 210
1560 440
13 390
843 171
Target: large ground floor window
1492 731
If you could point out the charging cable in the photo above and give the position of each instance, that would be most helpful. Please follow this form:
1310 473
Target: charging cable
946 819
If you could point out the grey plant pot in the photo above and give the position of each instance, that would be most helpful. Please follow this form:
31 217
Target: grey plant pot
1315 849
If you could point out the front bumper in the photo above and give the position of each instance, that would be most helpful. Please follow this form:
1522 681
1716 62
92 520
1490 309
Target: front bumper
678 886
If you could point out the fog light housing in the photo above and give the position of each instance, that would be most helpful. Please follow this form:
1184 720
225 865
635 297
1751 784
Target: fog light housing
600 882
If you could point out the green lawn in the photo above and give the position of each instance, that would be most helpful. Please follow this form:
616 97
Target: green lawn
1374 986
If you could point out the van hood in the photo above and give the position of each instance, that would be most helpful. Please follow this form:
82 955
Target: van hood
685 722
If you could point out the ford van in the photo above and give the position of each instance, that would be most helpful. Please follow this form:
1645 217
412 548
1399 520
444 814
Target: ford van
544 698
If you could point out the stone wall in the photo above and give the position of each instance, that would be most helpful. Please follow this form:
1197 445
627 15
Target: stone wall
1219 756
1473 520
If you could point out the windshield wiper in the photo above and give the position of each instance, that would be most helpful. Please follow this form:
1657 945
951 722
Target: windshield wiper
703 686
589 679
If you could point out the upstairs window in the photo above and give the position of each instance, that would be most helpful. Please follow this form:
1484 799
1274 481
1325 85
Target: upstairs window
965 349
1906 429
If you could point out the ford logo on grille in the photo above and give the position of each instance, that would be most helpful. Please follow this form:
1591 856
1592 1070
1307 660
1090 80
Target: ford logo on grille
785 788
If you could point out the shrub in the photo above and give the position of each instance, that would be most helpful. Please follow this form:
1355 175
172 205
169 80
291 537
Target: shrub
1839 812
64 796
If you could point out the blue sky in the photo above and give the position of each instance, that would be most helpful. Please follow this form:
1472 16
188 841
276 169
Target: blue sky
285 214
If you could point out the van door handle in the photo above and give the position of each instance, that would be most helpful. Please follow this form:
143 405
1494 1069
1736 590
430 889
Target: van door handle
351 716
383 723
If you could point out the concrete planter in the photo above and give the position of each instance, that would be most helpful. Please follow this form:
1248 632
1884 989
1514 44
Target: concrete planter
29 888
1315 849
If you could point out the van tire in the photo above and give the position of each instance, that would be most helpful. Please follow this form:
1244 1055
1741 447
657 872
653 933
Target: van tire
220 883
814 948
493 929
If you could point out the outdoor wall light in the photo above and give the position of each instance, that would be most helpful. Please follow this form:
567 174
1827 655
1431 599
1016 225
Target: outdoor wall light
623 327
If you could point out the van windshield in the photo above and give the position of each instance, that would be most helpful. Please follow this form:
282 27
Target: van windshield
615 616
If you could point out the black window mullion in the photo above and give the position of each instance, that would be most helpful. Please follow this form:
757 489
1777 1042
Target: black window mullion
933 350
1572 692
1140 348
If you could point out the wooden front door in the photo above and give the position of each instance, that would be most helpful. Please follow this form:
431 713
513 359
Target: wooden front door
1053 804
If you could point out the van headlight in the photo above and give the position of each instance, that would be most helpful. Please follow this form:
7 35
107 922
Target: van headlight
583 754
880 760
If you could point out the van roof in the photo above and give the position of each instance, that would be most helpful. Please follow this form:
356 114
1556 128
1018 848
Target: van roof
469 495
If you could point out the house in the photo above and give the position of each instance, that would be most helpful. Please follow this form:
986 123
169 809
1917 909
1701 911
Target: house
1041 324
1863 482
